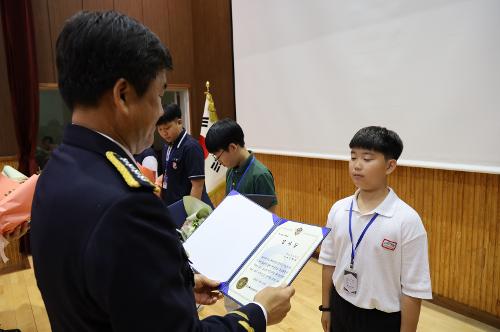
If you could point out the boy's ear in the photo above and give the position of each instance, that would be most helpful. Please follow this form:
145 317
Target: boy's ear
390 166
232 147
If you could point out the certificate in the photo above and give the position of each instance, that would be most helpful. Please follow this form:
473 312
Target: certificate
248 248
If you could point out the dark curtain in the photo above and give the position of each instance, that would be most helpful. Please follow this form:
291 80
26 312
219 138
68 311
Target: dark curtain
19 36
18 31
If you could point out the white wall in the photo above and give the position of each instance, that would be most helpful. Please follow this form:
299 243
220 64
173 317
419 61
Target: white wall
309 74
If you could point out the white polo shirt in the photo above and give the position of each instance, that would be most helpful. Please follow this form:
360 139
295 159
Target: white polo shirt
391 258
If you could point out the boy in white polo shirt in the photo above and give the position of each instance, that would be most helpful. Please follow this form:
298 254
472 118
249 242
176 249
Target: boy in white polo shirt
375 261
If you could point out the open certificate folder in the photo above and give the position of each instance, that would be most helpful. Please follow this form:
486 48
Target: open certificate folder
248 248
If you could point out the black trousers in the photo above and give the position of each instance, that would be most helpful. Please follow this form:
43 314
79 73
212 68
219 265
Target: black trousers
346 317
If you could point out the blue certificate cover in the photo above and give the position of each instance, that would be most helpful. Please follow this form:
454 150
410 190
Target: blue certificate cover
248 248
178 213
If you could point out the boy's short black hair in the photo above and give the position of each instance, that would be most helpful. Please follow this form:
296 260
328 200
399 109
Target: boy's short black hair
222 133
378 139
95 49
171 112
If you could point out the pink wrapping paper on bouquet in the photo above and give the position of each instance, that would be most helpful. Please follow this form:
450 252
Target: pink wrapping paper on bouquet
15 202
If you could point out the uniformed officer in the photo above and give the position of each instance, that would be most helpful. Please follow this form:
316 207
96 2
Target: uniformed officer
105 252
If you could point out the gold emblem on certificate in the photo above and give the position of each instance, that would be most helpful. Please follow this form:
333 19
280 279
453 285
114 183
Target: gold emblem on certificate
242 283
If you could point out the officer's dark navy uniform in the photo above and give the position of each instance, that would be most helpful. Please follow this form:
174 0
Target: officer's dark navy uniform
107 256
182 162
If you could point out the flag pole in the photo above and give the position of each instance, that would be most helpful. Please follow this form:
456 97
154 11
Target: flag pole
214 171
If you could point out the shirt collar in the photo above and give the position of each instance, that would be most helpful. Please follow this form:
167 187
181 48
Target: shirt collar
243 167
117 143
386 208
178 141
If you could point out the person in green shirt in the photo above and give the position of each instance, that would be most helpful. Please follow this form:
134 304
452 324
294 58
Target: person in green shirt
246 174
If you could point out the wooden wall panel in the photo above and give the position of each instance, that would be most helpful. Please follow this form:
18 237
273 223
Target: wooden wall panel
8 142
8 160
101 5
181 47
17 261
173 22
132 8
182 50
44 42
156 17
59 12
460 211
213 58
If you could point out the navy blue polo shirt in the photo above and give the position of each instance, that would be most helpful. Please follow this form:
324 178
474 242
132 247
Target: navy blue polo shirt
182 162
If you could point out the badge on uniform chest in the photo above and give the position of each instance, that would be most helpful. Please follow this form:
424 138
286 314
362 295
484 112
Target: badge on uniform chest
350 281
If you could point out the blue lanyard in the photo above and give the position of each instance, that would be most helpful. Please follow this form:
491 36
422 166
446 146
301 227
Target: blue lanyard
353 249
167 159
245 172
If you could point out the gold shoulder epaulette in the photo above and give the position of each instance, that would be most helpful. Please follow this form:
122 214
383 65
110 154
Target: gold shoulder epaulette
130 173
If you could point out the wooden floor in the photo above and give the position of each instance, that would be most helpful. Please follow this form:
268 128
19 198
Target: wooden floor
21 306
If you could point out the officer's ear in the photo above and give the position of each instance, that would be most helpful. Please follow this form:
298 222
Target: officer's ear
121 92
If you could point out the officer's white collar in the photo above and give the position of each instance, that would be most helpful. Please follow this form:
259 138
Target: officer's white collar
121 146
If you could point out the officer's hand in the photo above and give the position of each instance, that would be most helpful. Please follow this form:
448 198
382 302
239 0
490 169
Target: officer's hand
205 290
276 300
17 232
